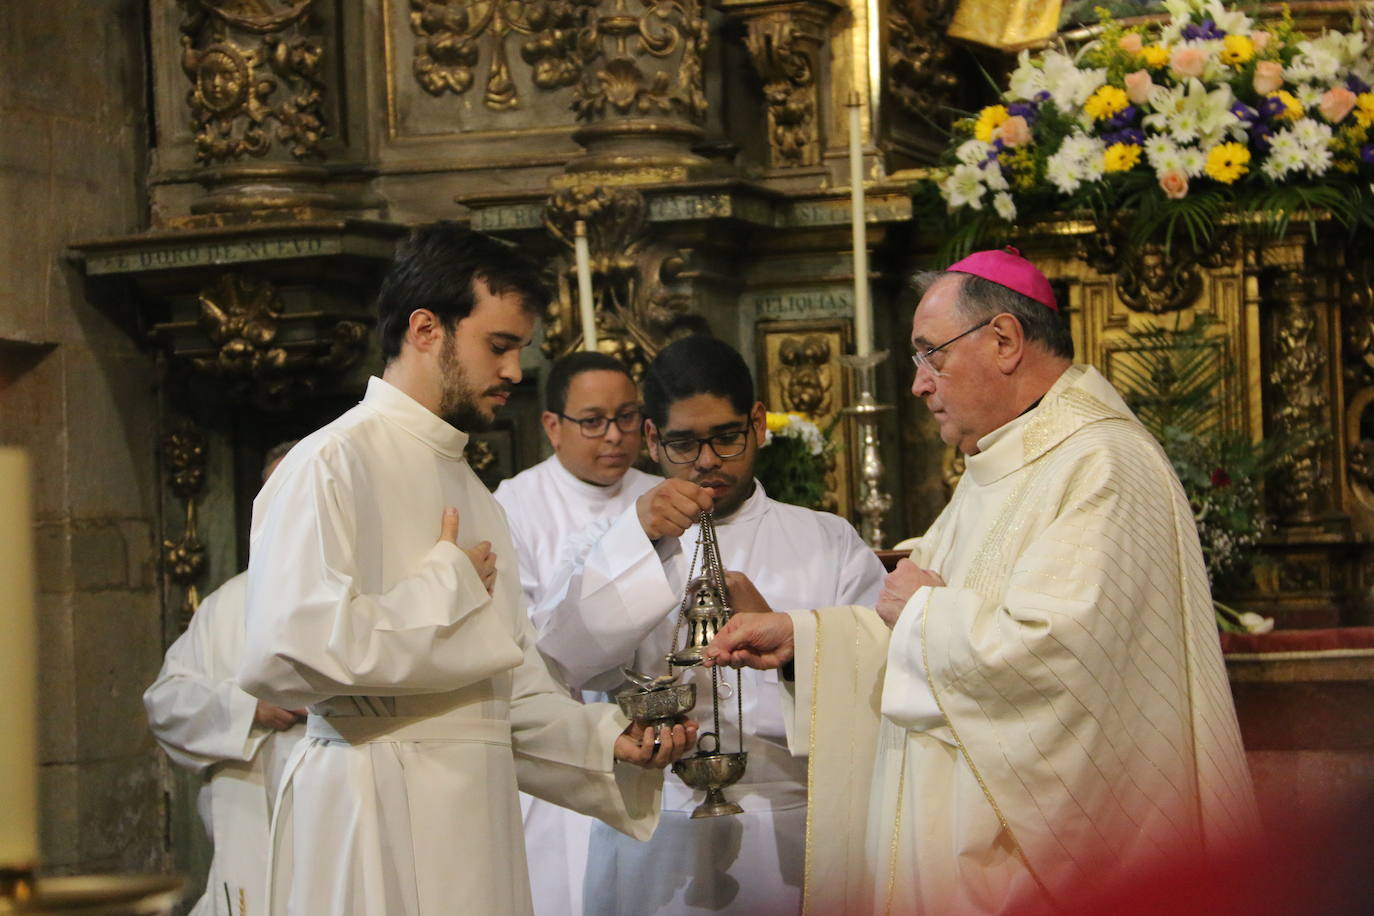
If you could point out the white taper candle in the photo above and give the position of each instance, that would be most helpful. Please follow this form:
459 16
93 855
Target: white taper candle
863 313
585 307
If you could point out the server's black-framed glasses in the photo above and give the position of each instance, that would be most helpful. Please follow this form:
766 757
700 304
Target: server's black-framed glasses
728 444
627 421
922 358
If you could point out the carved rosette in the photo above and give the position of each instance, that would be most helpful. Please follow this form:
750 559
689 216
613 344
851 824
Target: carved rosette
634 307
920 80
452 36
785 45
255 78
183 557
1299 397
243 317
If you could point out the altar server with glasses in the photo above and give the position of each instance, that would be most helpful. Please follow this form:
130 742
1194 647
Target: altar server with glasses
594 423
618 606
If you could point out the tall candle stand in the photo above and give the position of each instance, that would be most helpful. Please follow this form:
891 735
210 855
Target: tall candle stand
874 501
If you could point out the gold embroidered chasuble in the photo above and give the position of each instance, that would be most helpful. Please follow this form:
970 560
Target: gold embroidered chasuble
1054 715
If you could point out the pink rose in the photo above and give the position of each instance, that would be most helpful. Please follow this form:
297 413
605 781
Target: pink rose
1188 60
1174 183
1268 76
1260 40
1138 86
1130 43
1014 131
1336 103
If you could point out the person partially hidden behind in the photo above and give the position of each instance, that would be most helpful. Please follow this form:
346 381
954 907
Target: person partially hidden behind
238 744
593 421
1037 704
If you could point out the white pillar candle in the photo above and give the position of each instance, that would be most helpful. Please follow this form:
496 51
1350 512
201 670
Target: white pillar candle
585 305
863 313
18 667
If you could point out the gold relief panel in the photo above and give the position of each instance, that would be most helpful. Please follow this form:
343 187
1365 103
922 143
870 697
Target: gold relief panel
799 372
255 75
452 37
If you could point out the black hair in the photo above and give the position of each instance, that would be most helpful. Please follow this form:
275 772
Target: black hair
567 368
696 365
434 268
981 299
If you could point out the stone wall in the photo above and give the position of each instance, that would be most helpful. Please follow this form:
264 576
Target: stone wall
81 397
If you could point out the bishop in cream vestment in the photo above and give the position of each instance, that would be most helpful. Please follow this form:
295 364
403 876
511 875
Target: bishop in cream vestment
1053 715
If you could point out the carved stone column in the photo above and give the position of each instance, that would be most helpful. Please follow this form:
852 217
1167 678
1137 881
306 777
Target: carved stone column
787 42
642 93
253 79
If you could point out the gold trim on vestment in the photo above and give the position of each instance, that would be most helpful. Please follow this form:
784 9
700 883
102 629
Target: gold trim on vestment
896 833
811 765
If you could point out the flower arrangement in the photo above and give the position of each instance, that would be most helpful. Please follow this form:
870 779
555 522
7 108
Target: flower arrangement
792 463
1173 121
1173 384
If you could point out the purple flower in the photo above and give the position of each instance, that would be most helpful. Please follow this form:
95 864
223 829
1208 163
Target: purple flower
1042 96
1125 117
1260 136
998 145
1206 31
1272 107
1367 153
1244 112
1028 110
1131 136
1355 84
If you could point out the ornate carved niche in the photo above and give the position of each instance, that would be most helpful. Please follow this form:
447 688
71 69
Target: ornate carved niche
1357 320
635 308
257 100
184 557
786 45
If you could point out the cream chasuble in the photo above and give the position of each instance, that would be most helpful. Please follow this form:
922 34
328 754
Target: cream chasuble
428 698
1056 714
550 511
206 723
619 607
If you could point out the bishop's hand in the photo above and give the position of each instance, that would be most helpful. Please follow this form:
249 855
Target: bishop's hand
671 508
899 586
483 560
655 747
753 641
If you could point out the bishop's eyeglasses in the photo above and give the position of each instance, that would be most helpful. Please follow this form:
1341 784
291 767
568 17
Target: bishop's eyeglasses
627 421
729 444
922 358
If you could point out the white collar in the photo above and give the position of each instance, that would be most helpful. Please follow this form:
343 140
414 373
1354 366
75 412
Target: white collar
395 405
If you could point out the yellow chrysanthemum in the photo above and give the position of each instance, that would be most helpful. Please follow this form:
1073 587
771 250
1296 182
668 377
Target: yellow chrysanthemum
776 422
1120 157
1227 161
1105 102
989 119
1292 108
1364 109
1237 49
1155 56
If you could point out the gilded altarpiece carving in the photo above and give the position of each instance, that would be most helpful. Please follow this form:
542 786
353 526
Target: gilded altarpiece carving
799 372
